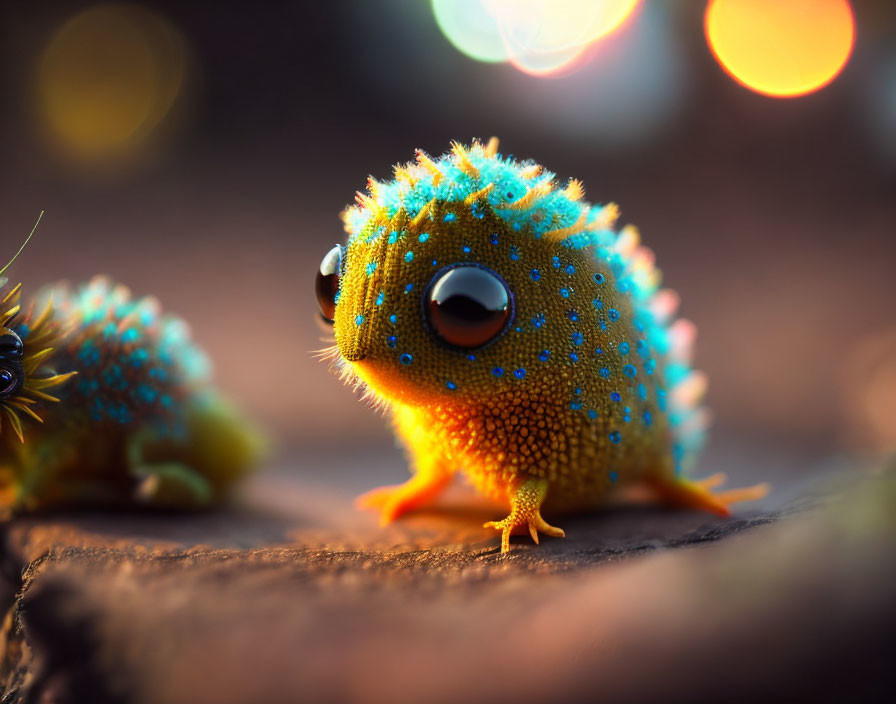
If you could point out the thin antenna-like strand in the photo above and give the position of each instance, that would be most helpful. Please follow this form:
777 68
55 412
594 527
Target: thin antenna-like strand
24 244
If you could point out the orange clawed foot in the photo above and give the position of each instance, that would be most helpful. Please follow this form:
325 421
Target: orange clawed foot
525 511
697 494
395 501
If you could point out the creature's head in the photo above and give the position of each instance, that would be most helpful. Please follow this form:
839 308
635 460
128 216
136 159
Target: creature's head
27 341
459 278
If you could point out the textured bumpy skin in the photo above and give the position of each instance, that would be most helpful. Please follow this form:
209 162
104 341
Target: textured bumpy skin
589 387
116 407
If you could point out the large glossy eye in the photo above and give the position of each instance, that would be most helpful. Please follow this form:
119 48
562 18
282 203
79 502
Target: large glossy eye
11 346
10 380
326 284
468 306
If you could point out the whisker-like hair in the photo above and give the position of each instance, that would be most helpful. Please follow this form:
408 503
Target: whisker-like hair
347 375
374 401
326 354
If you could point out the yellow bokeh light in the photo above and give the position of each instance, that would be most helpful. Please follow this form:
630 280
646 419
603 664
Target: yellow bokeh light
781 48
106 80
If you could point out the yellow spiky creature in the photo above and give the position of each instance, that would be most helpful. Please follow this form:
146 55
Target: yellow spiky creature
515 336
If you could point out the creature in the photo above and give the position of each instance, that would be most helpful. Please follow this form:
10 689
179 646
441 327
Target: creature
515 336
105 401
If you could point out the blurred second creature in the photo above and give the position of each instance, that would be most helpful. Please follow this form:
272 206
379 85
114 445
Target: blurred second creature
106 401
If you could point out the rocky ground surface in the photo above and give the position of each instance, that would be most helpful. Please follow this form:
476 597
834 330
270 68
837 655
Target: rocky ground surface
292 596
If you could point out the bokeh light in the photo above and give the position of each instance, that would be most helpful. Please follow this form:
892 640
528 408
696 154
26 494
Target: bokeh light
540 37
107 79
781 48
545 36
630 91
471 27
878 105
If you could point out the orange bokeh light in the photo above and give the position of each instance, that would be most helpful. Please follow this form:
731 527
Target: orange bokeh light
781 48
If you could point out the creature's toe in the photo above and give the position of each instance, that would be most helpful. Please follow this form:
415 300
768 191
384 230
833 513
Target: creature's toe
533 531
747 493
506 527
392 501
536 524
544 527
712 481
697 494
375 499
386 500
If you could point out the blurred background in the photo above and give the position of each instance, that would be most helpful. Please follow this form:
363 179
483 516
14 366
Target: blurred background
202 153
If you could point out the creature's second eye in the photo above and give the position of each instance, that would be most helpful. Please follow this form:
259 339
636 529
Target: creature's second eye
11 346
468 306
326 284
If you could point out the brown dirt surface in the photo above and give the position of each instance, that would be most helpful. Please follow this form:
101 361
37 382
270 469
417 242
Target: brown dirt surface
292 596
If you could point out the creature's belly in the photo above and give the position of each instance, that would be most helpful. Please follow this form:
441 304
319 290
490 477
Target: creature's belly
582 450
580 469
